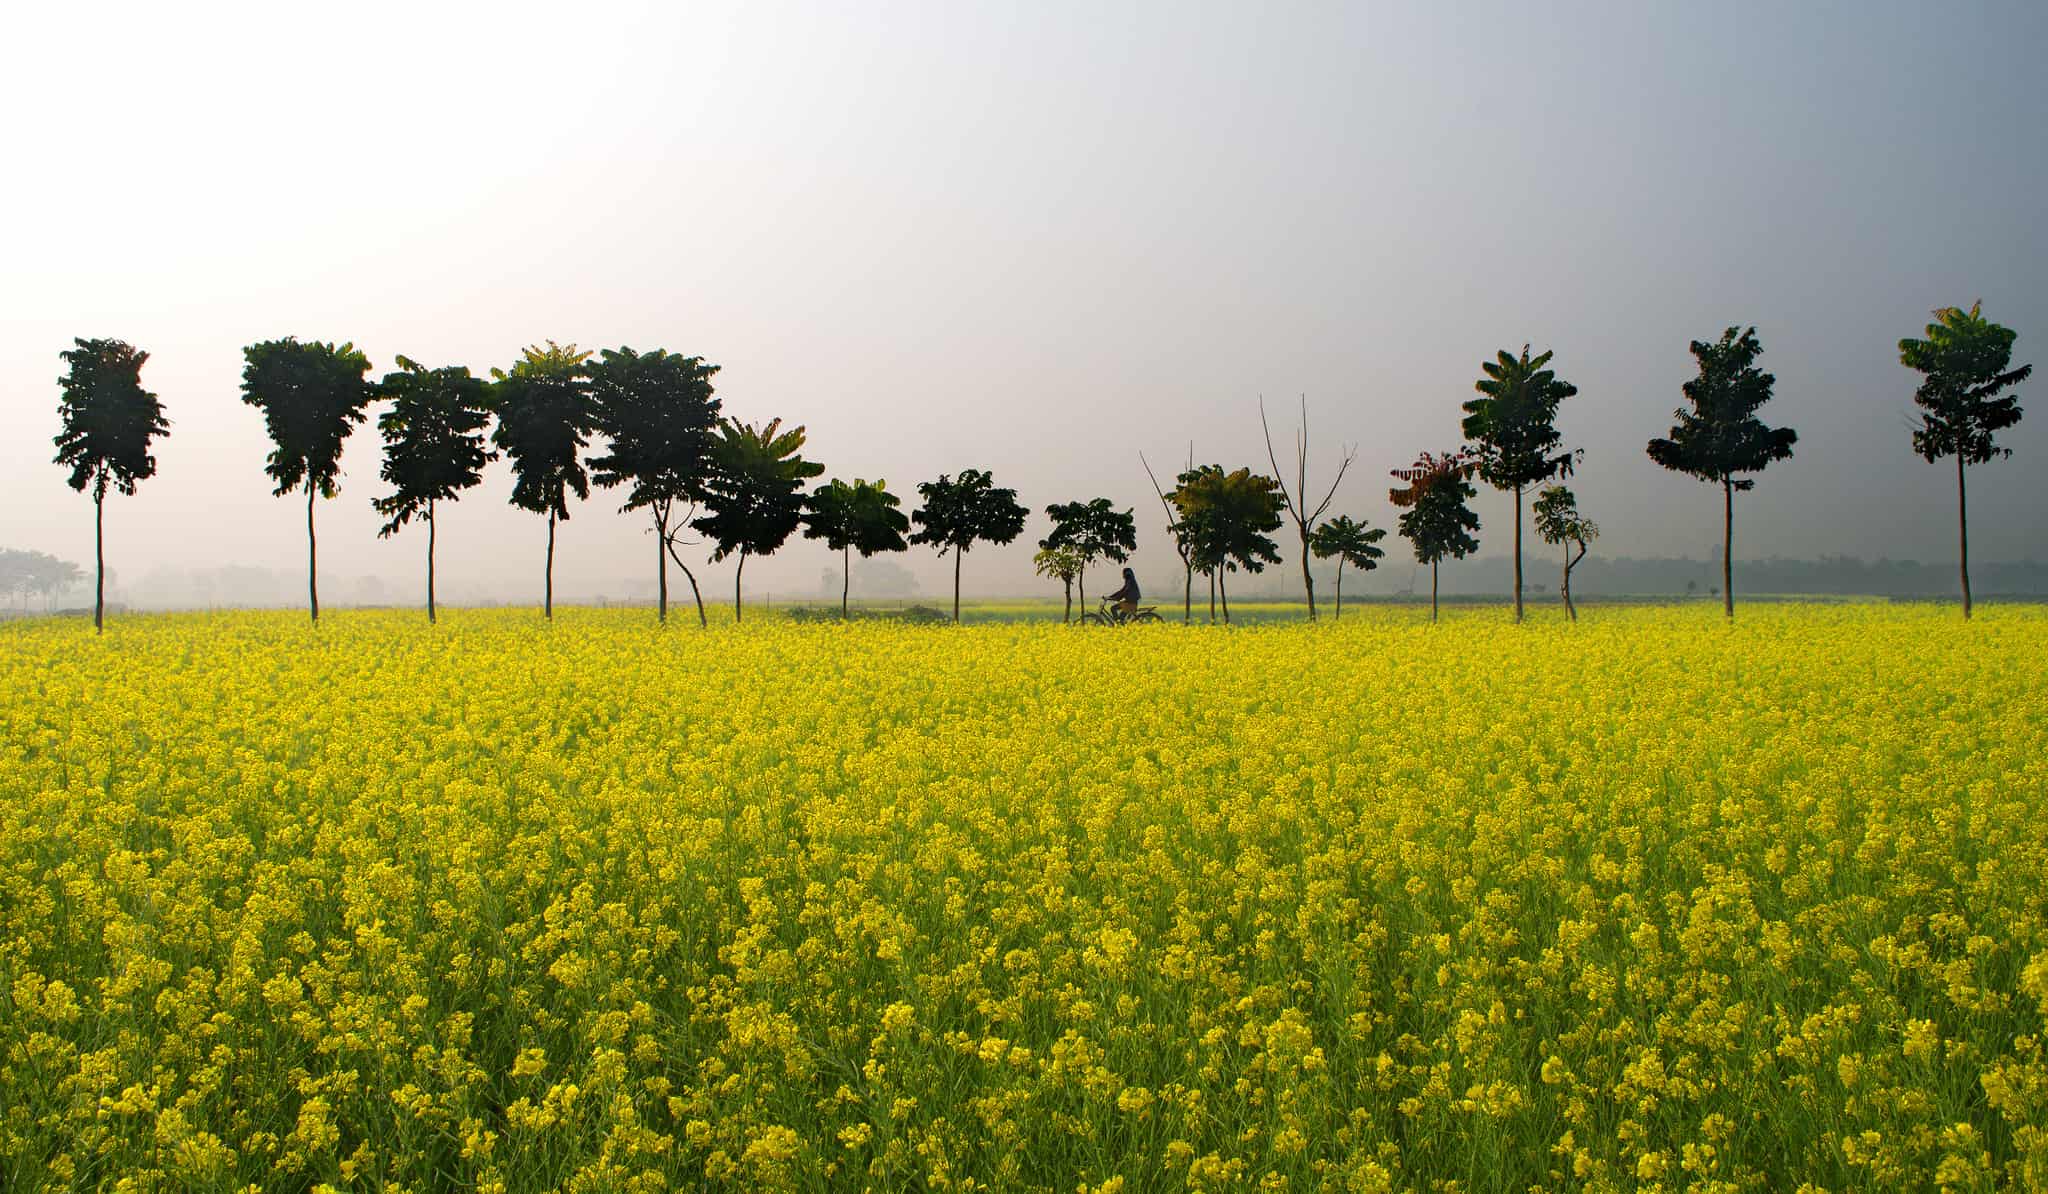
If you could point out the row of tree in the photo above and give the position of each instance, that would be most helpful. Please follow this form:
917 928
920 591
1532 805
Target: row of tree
741 486
26 572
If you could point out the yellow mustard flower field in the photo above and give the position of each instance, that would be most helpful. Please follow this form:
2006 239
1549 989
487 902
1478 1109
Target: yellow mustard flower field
1646 902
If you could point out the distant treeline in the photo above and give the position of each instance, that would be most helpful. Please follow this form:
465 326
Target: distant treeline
1655 576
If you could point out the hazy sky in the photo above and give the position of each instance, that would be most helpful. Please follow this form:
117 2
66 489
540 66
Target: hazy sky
1035 239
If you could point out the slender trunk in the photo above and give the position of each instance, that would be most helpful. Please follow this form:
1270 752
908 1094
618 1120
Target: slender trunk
1223 587
1518 553
737 573
957 553
430 562
1728 547
696 593
1068 616
1963 526
312 554
99 556
547 599
1308 582
1187 597
1339 612
1081 578
661 569
1432 592
1212 598
845 578
1564 586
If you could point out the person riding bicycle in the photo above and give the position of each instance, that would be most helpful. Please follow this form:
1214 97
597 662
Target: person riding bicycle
1126 598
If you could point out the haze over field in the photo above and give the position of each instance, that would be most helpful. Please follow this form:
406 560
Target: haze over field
1034 242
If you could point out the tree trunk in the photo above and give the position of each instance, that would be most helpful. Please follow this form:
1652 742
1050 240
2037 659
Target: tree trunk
1728 547
737 573
1067 617
696 593
957 553
1187 597
430 562
312 554
1212 598
99 556
845 578
1223 587
1432 592
661 569
1963 526
1308 582
547 600
1081 578
1571 562
1338 613
1518 553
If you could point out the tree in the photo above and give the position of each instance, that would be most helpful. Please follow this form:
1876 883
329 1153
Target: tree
1229 519
1438 523
108 420
1721 435
311 395
1351 543
545 417
1964 363
1512 429
659 413
434 445
1182 544
1062 564
1305 519
1559 522
754 492
25 572
958 514
1096 530
854 517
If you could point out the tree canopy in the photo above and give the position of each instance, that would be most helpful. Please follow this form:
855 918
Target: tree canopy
434 441
1964 366
545 417
859 516
1559 523
1512 428
754 491
1229 518
658 412
108 418
1348 542
1095 530
311 395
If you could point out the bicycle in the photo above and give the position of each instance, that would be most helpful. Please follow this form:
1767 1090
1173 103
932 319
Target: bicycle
1113 615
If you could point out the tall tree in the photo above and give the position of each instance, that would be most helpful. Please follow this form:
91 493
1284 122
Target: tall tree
1096 530
1230 518
658 410
957 514
1964 366
1183 545
545 417
434 446
1351 543
1721 435
311 395
1062 564
754 492
1305 517
1512 428
1559 522
860 516
1438 520
108 420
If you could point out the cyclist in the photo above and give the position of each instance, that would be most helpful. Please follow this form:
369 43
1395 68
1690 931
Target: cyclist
1126 598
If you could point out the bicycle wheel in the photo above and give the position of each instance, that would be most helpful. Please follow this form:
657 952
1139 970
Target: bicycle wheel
1148 616
1093 619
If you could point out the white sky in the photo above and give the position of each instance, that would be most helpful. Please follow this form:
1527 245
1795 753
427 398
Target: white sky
1034 241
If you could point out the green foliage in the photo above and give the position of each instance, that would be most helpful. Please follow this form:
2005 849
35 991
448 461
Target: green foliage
1062 564
1512 423
311 395
959 513
1558 519
434 442
1964 361
1721 435
545 416
1228 517
753 493
658 411
1095 530
1350 542
861 516
1436 519
108 418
